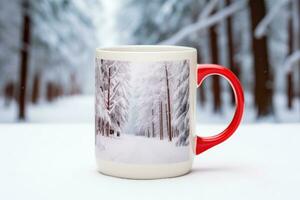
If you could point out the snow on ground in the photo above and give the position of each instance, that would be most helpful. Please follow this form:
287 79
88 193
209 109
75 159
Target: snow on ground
135 149
74 109
56 161
80 109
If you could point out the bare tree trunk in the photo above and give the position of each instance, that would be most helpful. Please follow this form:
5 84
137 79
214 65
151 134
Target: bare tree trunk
9 92
202 94
298 17
153 135
232 64
289 76
167 121
108 94
35 88
60 90
263 85
107 129
108 91
216 87
74 85
24 54
97 125
49 92
53 91
289 90
103 126
169 104
174 132
161 130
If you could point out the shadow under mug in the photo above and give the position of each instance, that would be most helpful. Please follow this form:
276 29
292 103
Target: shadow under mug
145 110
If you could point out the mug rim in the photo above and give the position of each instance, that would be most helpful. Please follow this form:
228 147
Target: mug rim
146 49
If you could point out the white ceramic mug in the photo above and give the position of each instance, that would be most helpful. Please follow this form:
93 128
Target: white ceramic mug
145 110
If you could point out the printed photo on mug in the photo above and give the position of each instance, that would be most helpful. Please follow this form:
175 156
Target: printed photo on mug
142 111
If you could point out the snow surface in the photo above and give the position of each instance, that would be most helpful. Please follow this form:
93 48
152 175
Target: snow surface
40 161
133 149
63 110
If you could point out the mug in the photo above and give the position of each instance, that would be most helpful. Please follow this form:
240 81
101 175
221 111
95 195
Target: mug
145 110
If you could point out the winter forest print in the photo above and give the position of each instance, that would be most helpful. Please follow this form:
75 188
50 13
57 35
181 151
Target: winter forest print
142 111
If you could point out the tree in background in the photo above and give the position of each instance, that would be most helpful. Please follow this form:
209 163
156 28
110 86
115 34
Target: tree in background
233 66
10 45
24 54
112 93
216 87
293 46
58 57
283 45
49 53
172 14
263 80
289 76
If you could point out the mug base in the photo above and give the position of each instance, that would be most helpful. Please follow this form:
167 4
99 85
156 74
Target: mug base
143 171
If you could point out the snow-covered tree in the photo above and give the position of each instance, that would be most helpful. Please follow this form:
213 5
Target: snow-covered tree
149 95
70 27
150 15
112 93
102 119
10 41
162 101
181 102
42 41
119 103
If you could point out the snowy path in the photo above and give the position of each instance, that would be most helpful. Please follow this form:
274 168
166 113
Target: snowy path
133 149
42 161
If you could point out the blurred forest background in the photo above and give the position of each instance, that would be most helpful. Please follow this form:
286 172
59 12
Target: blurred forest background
47 50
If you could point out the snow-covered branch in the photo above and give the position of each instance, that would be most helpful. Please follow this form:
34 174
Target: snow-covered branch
109 65
262 27
113 105
114 74
291 61
205 22
114 92
207 10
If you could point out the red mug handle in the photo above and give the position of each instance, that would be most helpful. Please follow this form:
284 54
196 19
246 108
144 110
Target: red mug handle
203 71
